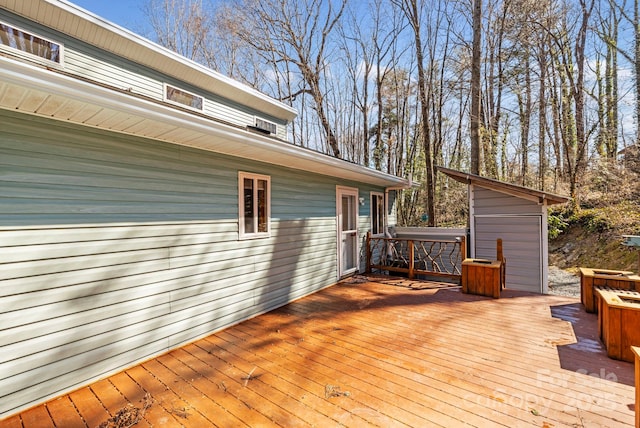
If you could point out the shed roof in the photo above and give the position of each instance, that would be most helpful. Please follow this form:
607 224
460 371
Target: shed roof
508 188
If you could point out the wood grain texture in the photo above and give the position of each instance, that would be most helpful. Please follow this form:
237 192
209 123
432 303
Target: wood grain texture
373 354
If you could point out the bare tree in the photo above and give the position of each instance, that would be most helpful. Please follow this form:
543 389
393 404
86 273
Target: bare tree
608 30
413 13
632 53
476 47
369 45
296 34
184 26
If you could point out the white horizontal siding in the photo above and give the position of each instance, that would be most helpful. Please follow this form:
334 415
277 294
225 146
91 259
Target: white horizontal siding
113 250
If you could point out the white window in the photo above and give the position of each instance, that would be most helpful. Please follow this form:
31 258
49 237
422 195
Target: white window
377 213
182 97
254 205
36 46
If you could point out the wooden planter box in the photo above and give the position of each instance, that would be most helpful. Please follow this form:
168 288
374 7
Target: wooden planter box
591 278
618 321
636 352
482 277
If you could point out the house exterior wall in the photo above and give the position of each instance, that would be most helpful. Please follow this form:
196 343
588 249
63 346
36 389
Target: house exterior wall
87 62
521 224
115 249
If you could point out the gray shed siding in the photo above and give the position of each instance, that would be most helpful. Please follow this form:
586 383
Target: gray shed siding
518 222
521 243
114 249
86 61
489 202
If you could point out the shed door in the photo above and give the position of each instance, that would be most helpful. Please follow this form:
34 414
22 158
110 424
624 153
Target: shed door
522 247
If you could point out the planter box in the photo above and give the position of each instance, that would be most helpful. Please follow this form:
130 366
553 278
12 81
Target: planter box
618 321
617 279
636 352
482 277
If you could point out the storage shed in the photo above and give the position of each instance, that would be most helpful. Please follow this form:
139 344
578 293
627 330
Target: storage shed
516 214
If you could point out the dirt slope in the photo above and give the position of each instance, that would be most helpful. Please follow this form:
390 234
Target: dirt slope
593 238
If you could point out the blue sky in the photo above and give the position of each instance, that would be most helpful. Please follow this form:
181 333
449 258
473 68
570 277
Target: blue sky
126 13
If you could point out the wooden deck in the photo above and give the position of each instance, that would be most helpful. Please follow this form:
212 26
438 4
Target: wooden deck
374 354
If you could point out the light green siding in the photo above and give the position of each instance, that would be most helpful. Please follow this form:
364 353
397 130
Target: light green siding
115 248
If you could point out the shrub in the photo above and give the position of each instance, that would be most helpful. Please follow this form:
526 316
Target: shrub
593 220
556 224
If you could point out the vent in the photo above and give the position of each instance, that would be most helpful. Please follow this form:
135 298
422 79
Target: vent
266 126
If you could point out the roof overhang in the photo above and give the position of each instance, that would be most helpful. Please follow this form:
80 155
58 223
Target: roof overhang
34 90
83 25
537 196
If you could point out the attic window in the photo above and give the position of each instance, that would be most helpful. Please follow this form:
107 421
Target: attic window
266 126
182 97
24 41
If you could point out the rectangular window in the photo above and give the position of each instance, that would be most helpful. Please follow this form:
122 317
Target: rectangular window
24 41
377 213
254 205
182 97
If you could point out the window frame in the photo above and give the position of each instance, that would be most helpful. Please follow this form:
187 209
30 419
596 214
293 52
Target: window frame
242 234
165 97
373 208
31 56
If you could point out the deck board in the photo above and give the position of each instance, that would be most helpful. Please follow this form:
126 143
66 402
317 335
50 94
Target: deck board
89 406
376 354
64 413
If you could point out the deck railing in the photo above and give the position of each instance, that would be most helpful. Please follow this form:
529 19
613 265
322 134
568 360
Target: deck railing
416 256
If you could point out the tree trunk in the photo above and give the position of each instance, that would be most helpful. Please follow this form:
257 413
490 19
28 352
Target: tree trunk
475 86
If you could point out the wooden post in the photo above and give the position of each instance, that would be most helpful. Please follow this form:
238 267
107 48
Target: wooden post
463 247
503 268
463 256
368 241
636 352
410 250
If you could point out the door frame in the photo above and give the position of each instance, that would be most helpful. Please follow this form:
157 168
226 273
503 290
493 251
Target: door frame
340 192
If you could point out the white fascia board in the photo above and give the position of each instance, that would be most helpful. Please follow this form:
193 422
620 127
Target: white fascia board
218 135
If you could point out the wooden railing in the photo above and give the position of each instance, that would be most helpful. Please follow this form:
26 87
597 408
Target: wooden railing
416 257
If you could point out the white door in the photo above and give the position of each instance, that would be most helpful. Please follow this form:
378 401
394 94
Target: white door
347 216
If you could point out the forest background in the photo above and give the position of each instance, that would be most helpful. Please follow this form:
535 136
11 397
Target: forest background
541 93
